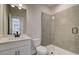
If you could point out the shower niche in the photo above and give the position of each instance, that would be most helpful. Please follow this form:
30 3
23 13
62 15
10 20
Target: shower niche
75 30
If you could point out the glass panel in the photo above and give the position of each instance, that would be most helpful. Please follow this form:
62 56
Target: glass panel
47 30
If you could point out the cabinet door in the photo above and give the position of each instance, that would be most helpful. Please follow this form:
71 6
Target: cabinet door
9 52
13 51
5 52
25 50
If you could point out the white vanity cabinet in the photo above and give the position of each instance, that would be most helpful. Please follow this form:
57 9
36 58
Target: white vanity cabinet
22 47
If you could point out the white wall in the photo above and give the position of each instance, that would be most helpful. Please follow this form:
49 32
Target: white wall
1 19
34 20
5 19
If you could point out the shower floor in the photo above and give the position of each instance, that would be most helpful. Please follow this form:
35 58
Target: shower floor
54 50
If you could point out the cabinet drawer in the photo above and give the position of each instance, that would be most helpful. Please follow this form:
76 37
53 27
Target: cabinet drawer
5 52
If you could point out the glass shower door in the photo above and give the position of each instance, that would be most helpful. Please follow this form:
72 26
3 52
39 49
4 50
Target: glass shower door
46 29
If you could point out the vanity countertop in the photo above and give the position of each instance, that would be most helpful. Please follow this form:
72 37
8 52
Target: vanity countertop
13 39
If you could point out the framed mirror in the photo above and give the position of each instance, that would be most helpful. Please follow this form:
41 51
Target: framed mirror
16 20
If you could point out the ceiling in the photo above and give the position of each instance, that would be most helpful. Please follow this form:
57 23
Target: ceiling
51 5
47 5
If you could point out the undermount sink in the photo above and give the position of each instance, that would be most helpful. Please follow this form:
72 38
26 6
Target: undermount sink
11 39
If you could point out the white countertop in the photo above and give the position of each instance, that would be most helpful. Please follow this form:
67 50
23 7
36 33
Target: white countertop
8 39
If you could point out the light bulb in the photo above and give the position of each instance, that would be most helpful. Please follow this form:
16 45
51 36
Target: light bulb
12 6
19 8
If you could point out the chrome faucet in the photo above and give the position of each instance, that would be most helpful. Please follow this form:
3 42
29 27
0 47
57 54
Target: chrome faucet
17 34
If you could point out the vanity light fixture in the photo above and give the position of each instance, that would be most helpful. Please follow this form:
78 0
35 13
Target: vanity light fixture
19 7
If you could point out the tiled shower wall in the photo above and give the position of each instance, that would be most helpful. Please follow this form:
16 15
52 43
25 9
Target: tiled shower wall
64 22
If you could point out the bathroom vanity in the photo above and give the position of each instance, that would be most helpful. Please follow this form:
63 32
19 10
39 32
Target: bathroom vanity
11 16
15 46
